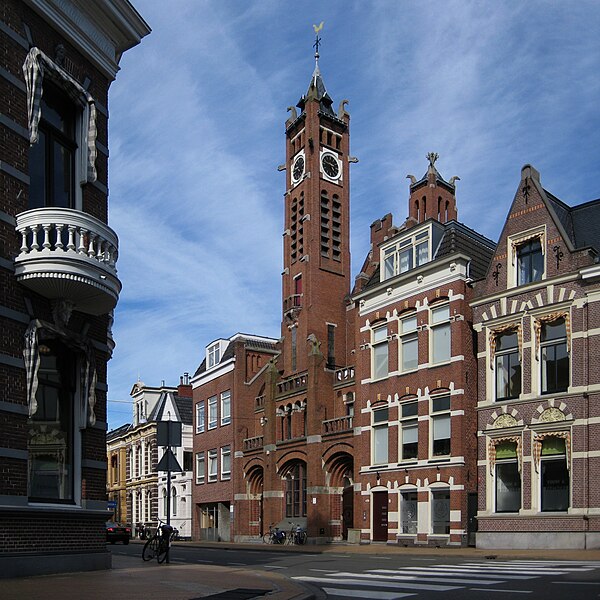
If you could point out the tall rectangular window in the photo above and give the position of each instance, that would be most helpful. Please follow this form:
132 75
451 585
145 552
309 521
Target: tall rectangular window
508 366
380 436
440 512
530 262
200 417
51 428
440 418
330 346
212 465
226 407
212 412
440 334
554 475
410 430
409 344
408 512
380 352
508 478
200 467
52 158
555 358
226 462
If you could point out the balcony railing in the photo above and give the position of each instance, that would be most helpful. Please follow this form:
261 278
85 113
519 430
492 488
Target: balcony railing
292 303
253 443
291 385
71 255
337 425
345 375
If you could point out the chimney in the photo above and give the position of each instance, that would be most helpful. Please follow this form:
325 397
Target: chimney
184 389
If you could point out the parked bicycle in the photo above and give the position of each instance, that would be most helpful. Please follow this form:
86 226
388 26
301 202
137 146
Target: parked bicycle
158 543
297 535
274 535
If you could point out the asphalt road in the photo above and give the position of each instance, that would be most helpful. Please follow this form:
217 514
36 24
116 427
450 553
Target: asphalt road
391 577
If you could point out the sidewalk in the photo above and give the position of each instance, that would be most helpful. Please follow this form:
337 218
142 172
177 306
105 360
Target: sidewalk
132 579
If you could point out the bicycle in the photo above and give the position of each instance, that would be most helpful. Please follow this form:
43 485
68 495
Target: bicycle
274 536
158 543
297 535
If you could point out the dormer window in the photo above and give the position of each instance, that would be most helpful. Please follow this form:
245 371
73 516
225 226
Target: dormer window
213 355
406 254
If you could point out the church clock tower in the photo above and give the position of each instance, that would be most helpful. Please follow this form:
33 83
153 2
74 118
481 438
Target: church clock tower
316 239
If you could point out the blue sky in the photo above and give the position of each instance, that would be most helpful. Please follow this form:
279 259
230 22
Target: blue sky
197 130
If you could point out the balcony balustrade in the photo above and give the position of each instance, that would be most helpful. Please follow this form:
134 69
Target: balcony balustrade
259 403
344 376
337 425
70 255
253 443
292 385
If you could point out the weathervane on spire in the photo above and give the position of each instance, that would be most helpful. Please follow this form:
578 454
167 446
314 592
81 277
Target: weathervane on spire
317 43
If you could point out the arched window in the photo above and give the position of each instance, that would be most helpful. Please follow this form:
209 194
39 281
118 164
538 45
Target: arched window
295 491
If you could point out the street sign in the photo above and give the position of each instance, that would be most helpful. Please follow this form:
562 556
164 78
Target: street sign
168 433
168 462
111 505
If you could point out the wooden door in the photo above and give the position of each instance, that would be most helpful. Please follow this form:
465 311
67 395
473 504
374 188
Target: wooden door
380 516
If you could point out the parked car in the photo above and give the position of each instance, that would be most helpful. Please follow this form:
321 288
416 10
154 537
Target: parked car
116 532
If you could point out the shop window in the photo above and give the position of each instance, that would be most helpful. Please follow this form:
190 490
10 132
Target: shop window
508 478
440 512
51 429
408 512
555 485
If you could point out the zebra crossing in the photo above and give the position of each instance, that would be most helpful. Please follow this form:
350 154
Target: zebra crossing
505 577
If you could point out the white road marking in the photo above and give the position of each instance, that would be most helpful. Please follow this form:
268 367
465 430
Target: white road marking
364 594
501 591
391 584
434 572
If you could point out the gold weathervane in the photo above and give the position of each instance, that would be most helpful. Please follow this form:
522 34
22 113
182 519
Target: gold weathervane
317 28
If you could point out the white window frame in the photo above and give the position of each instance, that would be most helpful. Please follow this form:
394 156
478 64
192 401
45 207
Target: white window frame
554 458
225 454
408 421
408 334
404 255
213 355
439 415
500 356
513 243
403 524
379 337
213 417
200 468
226 404
544 345
380 423
436 326
213 465
200 417
513 461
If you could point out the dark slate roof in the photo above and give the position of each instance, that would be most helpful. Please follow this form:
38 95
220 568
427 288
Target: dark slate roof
118 432
463 239
184 406
584 226
316 90
457 238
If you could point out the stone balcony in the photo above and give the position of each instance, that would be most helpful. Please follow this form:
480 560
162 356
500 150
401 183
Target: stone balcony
68 255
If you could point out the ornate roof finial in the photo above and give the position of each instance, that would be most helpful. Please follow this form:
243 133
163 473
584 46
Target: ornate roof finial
432 157
317 43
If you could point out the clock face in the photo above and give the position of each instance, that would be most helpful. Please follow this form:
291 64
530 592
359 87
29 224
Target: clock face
298 169
330 166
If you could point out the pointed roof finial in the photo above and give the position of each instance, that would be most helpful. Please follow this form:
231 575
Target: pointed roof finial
432 157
